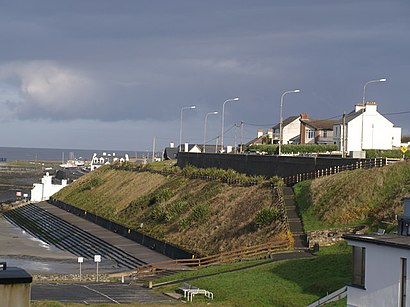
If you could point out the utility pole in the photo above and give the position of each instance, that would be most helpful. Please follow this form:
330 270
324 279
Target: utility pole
153 150
234 141
344 136
241 136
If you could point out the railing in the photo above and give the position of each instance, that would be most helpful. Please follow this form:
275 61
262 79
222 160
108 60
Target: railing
248 253
332 297
362 164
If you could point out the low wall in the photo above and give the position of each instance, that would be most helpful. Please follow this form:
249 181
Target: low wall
136 236
332 236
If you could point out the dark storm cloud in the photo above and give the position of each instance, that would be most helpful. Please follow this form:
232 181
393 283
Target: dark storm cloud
141 60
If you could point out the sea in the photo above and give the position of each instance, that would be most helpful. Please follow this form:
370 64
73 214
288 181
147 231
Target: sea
55 154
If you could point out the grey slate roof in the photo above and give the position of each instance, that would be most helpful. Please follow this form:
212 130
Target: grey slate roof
286 121
388 240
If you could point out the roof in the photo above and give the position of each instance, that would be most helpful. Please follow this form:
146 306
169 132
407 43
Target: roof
320 124
387 240
14 275
352 115
286 121
170 153
405 139
255 141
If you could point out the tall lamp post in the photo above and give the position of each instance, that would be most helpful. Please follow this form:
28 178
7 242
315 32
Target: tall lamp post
206 118
281 118
223 118
364 106
180 128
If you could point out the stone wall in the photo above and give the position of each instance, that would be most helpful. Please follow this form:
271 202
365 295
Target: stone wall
332 236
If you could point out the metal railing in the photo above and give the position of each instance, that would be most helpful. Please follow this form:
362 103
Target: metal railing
362 164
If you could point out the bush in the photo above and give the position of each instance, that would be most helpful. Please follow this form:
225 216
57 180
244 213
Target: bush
395 153
184 224
200 213
161 196
92 183
294 148
266 216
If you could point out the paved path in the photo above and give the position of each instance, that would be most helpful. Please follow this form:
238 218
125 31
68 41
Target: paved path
295 223
96 293
130 247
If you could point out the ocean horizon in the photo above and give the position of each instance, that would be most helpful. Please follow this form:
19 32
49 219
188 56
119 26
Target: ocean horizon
59 154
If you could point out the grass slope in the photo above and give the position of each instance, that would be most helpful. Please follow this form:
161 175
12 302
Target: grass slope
203 217
354 197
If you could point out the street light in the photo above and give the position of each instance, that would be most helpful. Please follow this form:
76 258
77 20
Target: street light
281 118
364 105
180 128
206 118
223 118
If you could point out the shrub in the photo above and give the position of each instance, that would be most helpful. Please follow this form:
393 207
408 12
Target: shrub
161 196
200 213
184 224
159 214
92 183
266 216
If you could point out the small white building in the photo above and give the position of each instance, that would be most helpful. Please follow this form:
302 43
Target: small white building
42 191
366 128
380 267
290 130
106 159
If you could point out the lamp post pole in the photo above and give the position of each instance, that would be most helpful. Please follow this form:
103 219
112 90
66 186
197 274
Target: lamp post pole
281 118
206 119
223 119
364 106
180 128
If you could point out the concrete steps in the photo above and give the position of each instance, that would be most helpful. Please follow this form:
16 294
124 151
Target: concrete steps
56 231
295 223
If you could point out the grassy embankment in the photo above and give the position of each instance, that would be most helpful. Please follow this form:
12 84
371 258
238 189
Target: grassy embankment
354 197
204 217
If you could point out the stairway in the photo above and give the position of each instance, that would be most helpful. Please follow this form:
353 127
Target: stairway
295 223
54 230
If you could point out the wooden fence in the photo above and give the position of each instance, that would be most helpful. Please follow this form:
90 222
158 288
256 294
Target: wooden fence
248 253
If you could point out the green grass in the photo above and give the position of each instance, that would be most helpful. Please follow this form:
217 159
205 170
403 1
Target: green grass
352 198
296 282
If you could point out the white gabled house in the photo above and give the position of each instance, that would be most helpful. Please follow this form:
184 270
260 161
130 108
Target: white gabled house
366 128
380 268
106 159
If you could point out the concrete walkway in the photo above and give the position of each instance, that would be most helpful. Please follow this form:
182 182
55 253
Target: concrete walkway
295 223
130 247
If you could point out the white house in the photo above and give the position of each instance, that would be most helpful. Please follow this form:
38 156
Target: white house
380 267
290 130
43 191
366 128
106 159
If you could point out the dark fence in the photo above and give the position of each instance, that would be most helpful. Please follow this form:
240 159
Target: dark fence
268 166
136 236
365 164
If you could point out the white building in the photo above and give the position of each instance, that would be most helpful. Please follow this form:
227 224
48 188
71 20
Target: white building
42 191
380 267
366 128
106 159
290 130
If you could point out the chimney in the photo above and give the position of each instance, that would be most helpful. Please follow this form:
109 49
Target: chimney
270 133
260 133
171 145
358 107
304 116
186 147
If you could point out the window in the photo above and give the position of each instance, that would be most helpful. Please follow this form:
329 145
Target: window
310 134
359 261
403 282
324 133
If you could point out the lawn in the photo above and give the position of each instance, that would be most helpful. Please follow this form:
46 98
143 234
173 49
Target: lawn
285 283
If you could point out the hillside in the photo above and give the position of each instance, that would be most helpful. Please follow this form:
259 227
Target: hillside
353 197
203 217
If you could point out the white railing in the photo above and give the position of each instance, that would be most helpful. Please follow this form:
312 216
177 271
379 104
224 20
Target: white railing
332 297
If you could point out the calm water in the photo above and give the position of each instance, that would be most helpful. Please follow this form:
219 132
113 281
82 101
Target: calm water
52 154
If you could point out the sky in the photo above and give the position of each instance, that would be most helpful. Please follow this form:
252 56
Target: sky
101 74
